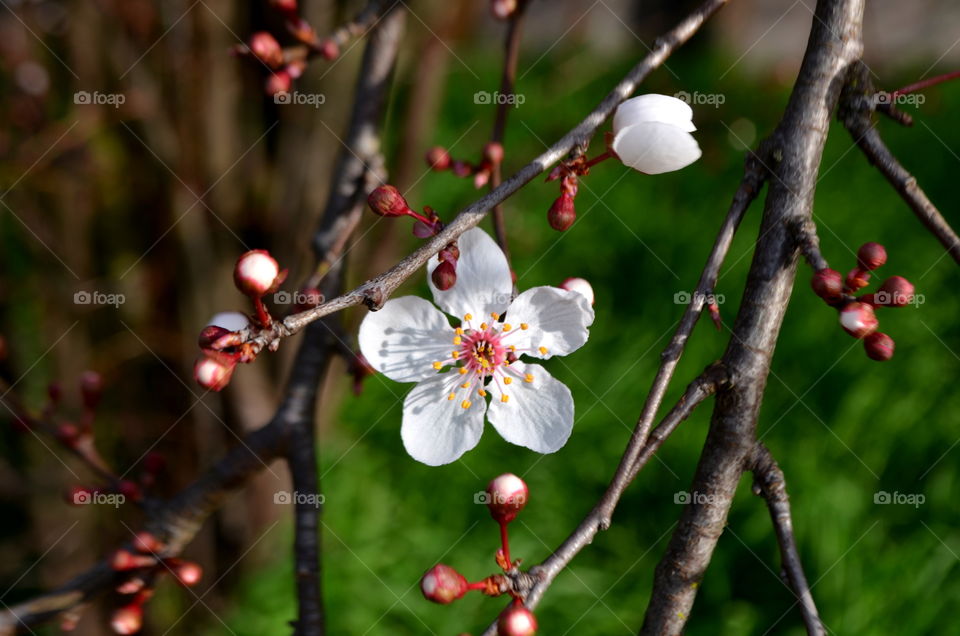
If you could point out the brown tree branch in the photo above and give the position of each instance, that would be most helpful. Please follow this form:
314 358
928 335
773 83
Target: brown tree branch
834 44
770 484
856 107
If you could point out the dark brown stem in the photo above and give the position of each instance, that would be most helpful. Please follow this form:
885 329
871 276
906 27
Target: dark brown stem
856 109
927 83
834 44
772 486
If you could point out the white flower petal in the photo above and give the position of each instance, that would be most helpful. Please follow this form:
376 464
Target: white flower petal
653 107
437 430
484 284
405 338
654 147
538 414
229 320
556 319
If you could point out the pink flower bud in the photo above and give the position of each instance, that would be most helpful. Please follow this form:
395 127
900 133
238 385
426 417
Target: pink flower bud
91 388
827 284
896 291
493 152
329 49
871 256
579 285
123 560
562 213
279 82
442 584
450 253
481 178
212 373
438 158
210 334
857 278
266 49
188 573
507 495
461 168
879 346
386 200
858 319
516 620
127 620
444 276
145 542
502 9
256 273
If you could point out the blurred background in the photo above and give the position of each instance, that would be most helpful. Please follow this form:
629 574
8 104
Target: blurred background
175 163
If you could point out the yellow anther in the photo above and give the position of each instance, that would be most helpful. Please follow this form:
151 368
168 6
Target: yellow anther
455 354
468 316
506 326
465 404
504 398
451 396
512 347
437 365
482 393
458 331
507 380
483 326
528 377
495 315
543 351
458 340
524 326
465 385
462 370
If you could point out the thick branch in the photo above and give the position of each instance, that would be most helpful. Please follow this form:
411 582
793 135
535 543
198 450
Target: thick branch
857 105
834 44
772 486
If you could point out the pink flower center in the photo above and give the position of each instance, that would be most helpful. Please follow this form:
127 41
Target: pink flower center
482 351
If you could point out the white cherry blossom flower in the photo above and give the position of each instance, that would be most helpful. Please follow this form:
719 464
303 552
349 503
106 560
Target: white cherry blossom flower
652 134
457 368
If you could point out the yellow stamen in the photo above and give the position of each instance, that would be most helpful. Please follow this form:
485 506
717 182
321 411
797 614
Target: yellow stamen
542 350
504 398
506 326
451 396
528 377
482 393
465 385
458 340
507 380
437 365
495 316
455 354
512 347
524 326
458 331
468 316
483 326
465 404
462 370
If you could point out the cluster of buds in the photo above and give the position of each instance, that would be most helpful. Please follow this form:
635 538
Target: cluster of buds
505 497
144 564
857 313
287 66
439 160
256 274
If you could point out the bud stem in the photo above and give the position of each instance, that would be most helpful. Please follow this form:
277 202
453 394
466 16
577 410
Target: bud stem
263 316
927 83
505 541
602 157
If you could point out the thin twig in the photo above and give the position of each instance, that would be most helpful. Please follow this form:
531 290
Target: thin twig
772 486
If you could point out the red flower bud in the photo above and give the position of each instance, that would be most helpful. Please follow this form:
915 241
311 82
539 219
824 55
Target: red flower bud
879 346
91 388
580 286
309 297
279 82
871 256
896 291
123 560
386 200
857 278
266 49
442 584
493 152
858 319
438 158
444 276
562 213
127 620
506 497
212 373
329 49
827 284
188 573
256 273
210 334
516 620
461 168
145 542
